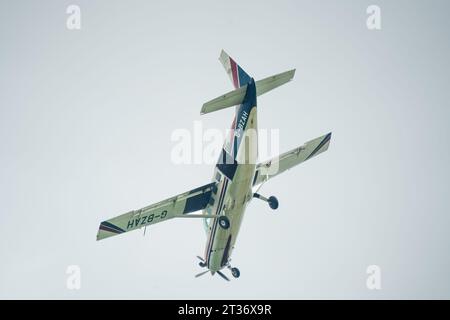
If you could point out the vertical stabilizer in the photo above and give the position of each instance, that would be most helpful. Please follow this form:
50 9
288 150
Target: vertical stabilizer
238 76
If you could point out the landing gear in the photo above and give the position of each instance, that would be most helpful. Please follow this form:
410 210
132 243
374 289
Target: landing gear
272 201
235 272
202 262
224 223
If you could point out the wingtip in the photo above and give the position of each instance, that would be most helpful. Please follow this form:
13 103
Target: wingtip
223 55
293 72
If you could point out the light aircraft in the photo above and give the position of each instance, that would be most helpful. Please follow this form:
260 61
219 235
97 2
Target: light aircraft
236 179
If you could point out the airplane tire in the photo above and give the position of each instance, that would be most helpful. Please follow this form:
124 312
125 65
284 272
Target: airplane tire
235 272
224 223
273 202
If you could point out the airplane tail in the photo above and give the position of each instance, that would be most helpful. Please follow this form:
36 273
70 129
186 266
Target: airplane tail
241 80
238 76
236 97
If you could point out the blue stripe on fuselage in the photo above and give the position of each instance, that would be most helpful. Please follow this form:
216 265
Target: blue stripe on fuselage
227 164
244 78
243 114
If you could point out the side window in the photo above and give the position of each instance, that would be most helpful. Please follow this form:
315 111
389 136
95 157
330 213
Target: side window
206 223
208 220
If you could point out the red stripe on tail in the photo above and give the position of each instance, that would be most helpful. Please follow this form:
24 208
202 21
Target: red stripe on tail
234 73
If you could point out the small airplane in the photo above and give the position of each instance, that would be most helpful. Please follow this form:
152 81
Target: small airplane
237 177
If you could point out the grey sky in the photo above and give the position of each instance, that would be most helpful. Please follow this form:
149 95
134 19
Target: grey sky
86 118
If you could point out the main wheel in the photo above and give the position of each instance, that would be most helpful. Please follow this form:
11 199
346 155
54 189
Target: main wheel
202 264
235 272
273 202
224 223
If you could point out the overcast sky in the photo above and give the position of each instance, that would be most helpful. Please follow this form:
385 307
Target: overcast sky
86 118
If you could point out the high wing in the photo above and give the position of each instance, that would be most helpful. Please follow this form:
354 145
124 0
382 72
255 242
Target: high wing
174 207
269 169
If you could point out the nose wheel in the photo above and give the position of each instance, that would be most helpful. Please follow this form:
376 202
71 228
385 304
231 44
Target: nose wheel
272 201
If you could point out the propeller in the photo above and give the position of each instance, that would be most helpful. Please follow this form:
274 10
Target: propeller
201 273
222 275
205 272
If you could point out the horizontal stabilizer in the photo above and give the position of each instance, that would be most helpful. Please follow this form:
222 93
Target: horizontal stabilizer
236 97
229 99
269 83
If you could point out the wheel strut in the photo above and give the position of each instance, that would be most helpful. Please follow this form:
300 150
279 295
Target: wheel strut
272 201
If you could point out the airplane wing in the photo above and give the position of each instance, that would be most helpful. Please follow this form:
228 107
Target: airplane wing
178 206
269 169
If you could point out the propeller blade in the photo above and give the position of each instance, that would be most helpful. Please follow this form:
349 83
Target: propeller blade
223 276
201 273
200 258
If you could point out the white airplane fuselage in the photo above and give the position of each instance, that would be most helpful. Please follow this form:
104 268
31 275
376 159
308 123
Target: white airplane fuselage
231 198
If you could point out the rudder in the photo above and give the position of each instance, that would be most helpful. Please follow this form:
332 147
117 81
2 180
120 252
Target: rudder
238 76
